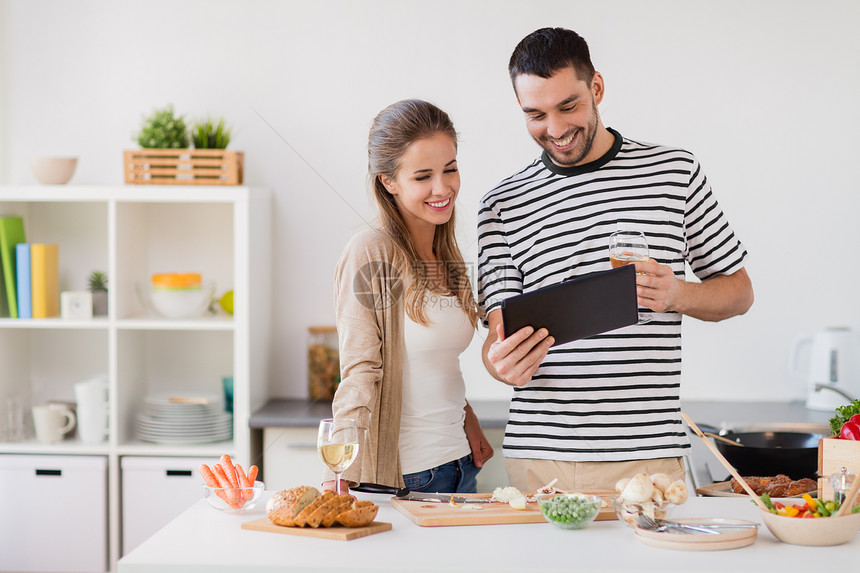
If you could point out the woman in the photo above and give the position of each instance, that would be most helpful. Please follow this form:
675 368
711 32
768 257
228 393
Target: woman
405 312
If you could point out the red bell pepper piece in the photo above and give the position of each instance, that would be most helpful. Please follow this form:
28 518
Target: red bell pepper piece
851 429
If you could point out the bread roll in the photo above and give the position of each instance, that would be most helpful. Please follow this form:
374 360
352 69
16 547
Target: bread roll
638 490
621 484
661 481
677 492
283 507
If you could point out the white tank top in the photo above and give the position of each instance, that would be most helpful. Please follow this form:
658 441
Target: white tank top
434 393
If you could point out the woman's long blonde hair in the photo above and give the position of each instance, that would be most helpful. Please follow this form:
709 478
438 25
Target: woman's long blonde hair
396 128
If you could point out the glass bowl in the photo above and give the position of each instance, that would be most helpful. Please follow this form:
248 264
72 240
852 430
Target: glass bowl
177 303
233 499
627 511
569 510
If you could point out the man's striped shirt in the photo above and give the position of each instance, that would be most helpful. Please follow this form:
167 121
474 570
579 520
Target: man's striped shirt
615 396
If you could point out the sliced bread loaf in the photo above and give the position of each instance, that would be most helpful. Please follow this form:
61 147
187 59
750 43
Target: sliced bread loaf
283 507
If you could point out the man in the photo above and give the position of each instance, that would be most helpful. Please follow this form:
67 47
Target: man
596 410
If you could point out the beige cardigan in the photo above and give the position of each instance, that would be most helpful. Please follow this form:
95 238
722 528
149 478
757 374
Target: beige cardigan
370 313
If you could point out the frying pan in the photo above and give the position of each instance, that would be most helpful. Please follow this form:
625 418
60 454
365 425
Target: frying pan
794 454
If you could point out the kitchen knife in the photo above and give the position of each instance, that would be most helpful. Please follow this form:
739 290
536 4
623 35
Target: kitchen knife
407 494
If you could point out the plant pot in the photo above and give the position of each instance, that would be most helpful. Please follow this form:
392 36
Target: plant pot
100 303
184 167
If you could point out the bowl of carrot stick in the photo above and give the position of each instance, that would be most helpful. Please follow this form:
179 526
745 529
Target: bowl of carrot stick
227 487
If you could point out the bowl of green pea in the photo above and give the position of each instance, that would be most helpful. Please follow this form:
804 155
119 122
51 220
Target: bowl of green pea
569 510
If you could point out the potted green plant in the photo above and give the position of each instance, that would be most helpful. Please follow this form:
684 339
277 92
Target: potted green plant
163 130
166 158
97 284
206 134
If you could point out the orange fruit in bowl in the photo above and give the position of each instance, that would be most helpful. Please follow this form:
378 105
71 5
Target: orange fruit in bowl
177 280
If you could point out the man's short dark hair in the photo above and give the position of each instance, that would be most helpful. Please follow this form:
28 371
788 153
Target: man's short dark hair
548 50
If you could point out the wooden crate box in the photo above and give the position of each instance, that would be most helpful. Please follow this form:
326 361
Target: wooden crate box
833 455
183 167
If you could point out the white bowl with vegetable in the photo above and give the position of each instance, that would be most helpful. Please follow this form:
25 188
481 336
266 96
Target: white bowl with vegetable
569 510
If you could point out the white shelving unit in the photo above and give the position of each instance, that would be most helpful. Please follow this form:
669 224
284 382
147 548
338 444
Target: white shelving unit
132 232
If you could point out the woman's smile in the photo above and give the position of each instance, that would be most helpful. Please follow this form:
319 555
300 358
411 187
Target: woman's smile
439 205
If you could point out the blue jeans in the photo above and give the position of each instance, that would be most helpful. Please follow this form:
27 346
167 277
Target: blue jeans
459 476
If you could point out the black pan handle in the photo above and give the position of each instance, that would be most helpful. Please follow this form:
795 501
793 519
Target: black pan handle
376 488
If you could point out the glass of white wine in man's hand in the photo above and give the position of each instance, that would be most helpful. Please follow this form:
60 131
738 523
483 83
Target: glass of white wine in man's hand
626 247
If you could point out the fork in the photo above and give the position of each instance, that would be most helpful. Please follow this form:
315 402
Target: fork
647 522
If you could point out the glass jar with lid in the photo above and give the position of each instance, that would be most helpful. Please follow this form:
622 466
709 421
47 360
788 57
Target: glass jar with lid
323 362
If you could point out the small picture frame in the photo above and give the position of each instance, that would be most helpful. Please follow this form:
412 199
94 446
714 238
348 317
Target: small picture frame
76 305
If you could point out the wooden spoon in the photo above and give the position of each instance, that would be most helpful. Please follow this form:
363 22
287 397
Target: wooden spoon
726 464
850 498
722 439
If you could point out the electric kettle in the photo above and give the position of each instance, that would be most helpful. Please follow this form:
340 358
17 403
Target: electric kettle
833 378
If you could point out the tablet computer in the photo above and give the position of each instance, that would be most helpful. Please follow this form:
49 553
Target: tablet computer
576 308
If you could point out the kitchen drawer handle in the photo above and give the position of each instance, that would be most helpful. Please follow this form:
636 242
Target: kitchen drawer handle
49 472
178 473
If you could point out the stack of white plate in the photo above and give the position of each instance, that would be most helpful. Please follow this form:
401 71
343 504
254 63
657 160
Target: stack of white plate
183 418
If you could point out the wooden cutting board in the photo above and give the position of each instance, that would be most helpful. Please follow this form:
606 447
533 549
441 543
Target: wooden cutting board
337 532
430 514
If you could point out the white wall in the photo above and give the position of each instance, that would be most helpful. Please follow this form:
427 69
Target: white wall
764 92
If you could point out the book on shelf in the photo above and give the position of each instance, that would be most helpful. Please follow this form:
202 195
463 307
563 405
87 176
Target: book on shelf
45 279
11 233
22 265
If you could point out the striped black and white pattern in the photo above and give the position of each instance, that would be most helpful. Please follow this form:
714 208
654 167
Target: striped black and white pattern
612 397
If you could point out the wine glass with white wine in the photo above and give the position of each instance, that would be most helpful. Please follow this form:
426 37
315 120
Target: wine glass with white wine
627 247
337 445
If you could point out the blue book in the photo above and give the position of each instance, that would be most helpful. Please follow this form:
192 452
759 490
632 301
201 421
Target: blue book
22 259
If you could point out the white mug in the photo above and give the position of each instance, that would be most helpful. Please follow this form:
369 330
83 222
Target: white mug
92 400
52 422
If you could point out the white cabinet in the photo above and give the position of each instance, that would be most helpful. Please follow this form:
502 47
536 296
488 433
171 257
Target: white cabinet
290 458
154 491
131 232
54 513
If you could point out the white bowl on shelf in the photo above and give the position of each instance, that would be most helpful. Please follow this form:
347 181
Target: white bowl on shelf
53 170
177 303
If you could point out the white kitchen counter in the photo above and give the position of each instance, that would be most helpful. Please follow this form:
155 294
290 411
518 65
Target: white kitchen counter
203 540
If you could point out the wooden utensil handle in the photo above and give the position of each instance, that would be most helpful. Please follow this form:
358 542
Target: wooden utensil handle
725 463
722 439
850 498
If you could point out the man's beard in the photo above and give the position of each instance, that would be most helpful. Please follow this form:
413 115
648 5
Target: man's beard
582 151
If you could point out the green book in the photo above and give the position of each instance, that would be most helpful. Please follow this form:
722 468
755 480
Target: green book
11 233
